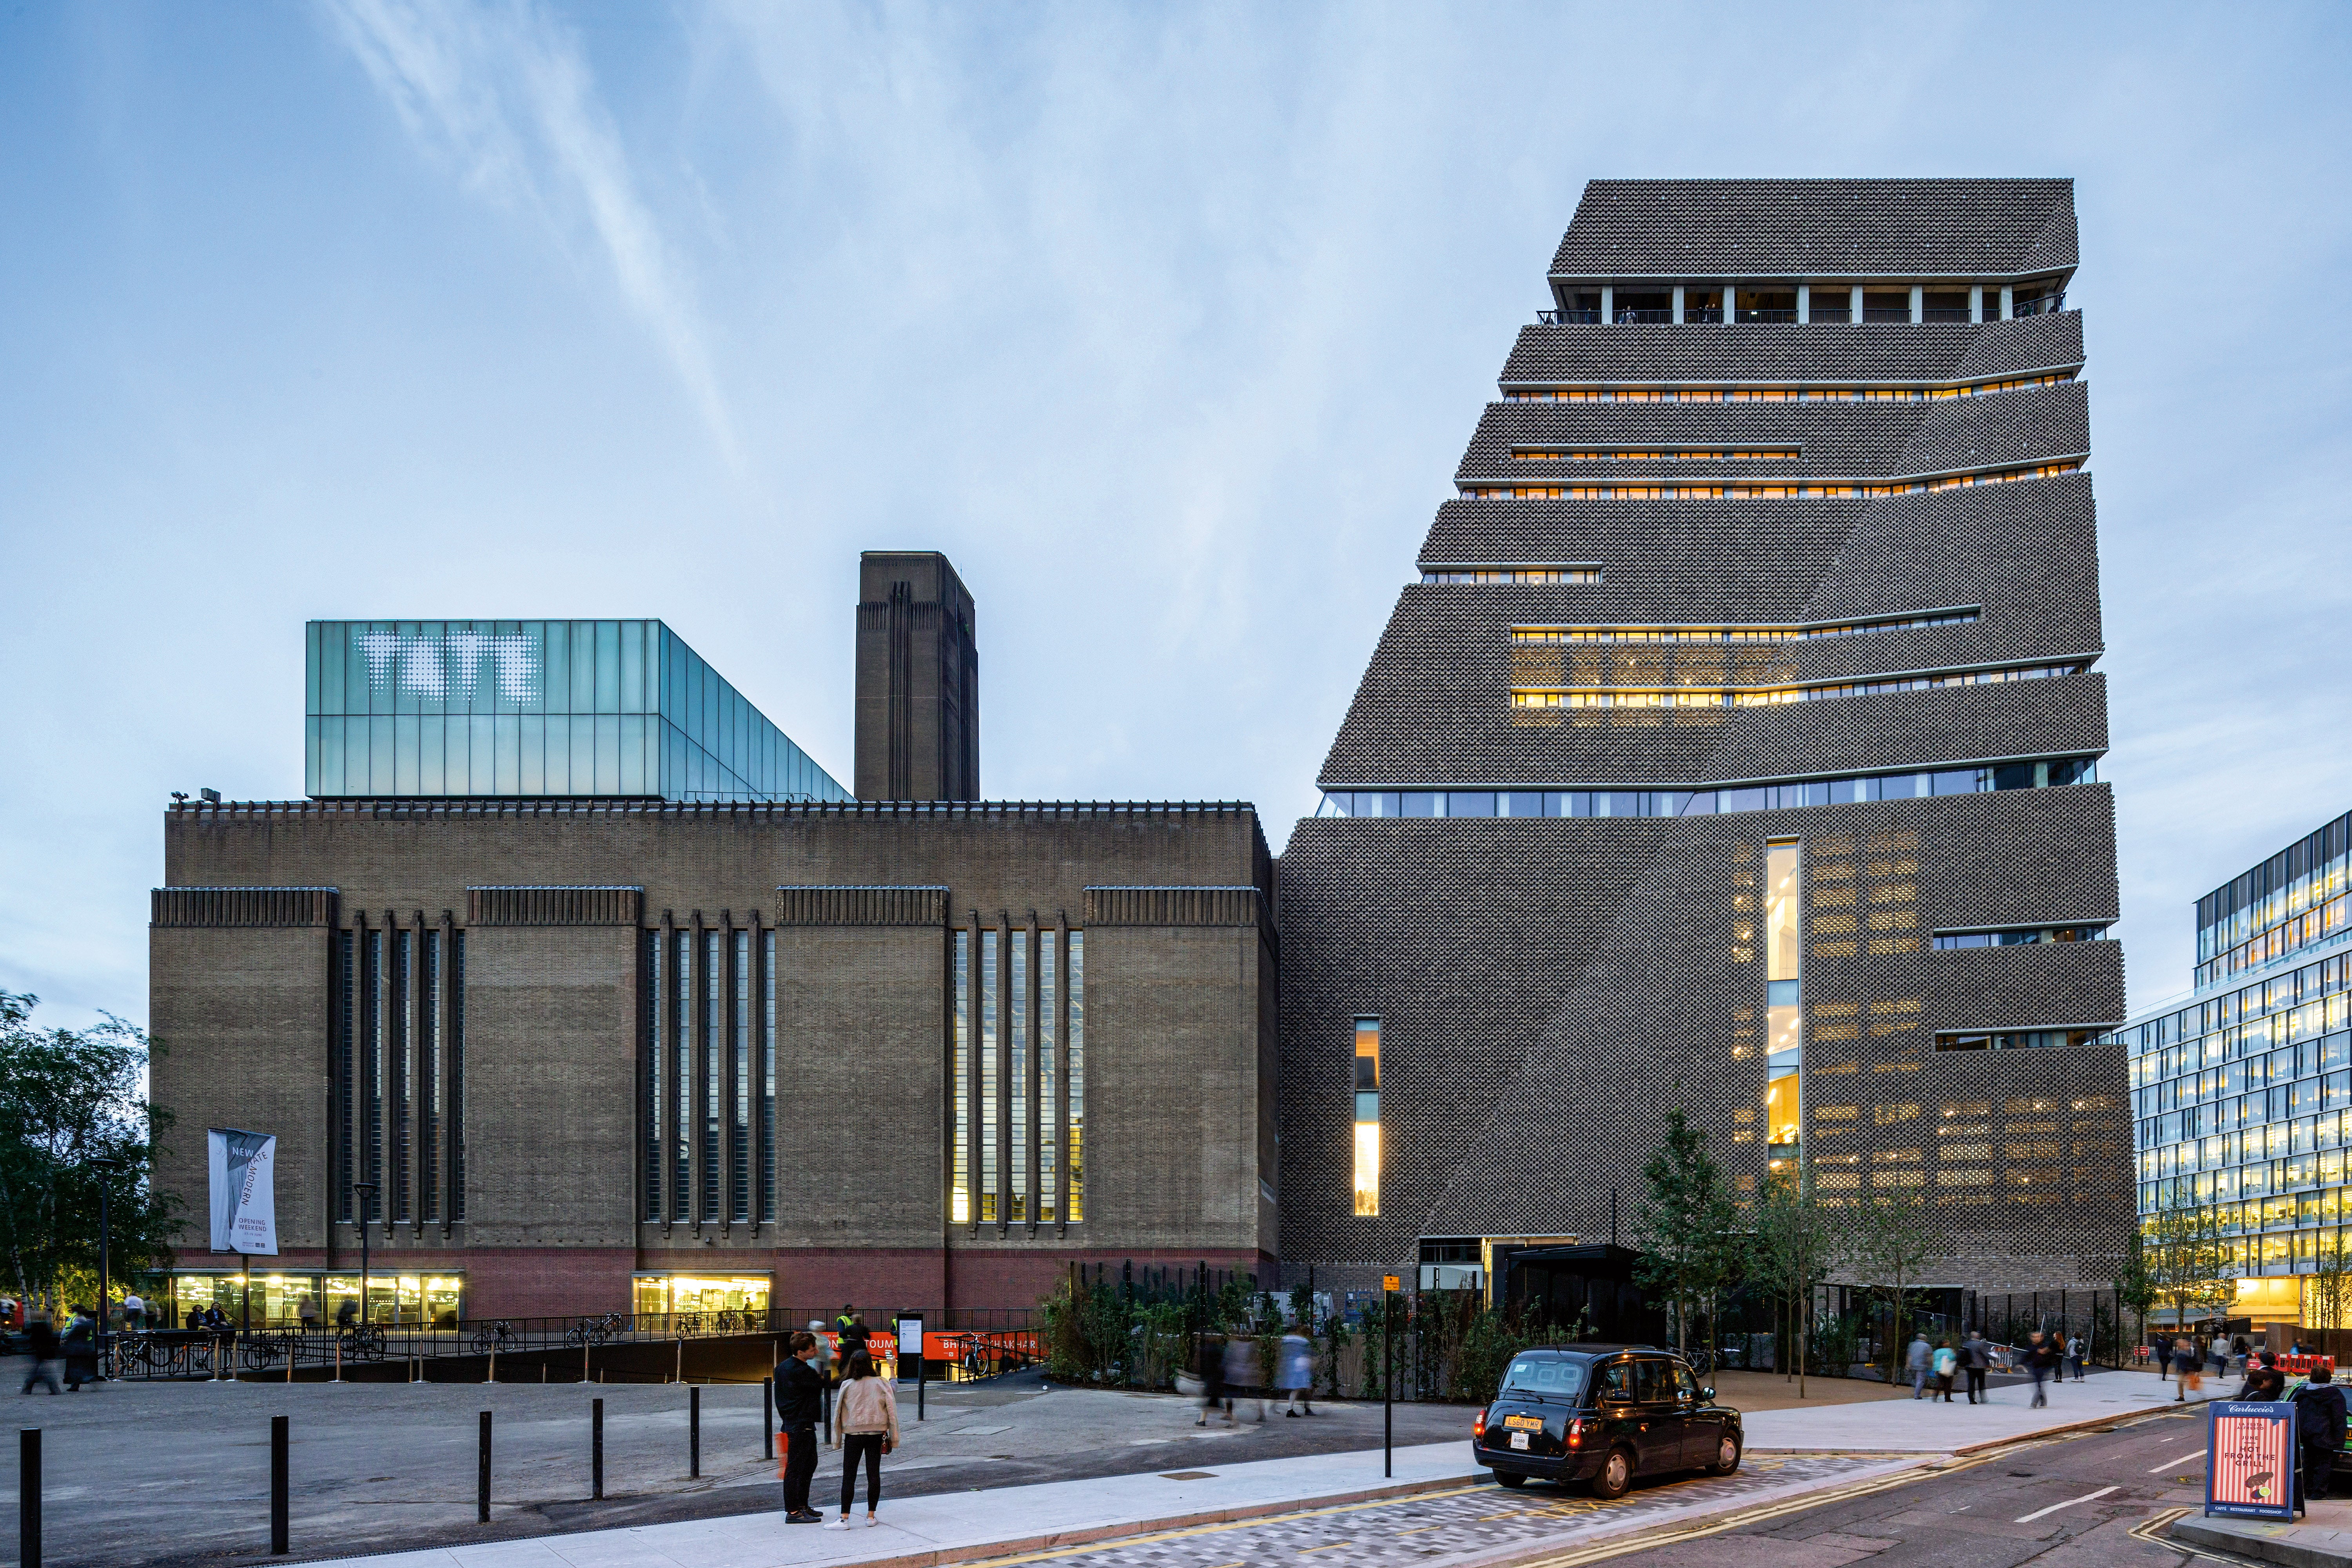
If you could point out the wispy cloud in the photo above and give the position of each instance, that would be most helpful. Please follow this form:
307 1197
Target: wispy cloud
505 94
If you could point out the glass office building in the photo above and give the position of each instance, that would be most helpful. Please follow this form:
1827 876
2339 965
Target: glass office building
508 709
2242 1097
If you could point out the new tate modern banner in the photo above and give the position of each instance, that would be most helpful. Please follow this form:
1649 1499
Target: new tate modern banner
244 1203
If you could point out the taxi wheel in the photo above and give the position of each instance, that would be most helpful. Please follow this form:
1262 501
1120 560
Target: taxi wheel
1727 1456
1616 1473
1506 1478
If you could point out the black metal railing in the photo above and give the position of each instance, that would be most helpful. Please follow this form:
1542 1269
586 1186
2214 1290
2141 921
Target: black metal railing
1887 312
1632 316
1703 313
1787 315
1944 314
2039 305
1841 314
1567 317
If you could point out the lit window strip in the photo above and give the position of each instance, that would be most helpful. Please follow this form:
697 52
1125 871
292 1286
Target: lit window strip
1555 634
1514 574
1780 393
1773 696
1777 489
1656 453
1704 800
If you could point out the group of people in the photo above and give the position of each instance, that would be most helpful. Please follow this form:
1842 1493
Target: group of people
1229 1373
865 1418
2044 1357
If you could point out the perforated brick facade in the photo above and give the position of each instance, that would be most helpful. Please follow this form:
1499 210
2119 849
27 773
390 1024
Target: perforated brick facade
1548 984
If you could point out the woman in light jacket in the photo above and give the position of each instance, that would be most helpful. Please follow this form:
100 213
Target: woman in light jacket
864 1422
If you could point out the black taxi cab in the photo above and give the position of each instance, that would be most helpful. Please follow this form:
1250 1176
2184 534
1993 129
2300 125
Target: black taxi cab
1603 1415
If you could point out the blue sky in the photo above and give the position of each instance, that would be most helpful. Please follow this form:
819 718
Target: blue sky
1168 323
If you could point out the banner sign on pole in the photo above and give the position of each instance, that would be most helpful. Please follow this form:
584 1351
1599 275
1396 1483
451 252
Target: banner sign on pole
2250 1460
244 1193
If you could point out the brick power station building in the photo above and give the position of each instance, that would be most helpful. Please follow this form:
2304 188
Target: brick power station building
1735 749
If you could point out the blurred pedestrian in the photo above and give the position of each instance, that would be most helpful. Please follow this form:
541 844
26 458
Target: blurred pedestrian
134 1312
1916 1363
41 1344
80 1348
2041 1361
798 1391
1241 1380
2188 1378
1976 1358
1294 1373
2264 1379
864 1427
2075 1355
2162 1345
1947 1362
1211 1369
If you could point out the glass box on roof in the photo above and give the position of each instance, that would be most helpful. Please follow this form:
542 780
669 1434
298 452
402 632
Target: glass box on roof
533 709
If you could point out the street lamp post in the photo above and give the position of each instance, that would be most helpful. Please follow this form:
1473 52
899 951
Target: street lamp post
367 1192
107 1166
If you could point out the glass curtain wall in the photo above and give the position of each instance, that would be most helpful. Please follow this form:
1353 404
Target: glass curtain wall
1018 1047
533 709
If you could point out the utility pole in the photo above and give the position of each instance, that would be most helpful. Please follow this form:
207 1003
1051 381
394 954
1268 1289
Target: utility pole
367 1192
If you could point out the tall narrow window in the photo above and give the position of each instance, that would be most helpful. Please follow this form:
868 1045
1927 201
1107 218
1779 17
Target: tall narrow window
1016 1012
714 1023
1048 1141
1074 1201
960 1156
739 1164
401 1059
347 1025
371 1077
681 1092
457 1075
1368 1116
768 1081
1783 987
428 1065
654 1055
990 1078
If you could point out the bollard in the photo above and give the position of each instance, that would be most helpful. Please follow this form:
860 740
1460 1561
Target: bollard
596 1451
280 1483
482 1475
694 1432
825 1398
920 1364
339 1358
586 1349
492 1375
767 1418
28 1496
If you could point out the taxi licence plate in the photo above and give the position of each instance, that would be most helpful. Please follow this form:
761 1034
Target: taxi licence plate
1523 1422
1518 1439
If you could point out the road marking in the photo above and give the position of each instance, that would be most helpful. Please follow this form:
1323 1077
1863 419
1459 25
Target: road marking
2070 1502
2171 1463
1335 1546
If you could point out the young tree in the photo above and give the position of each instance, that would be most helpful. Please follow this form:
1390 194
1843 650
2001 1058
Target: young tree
2331 1283
1686 1226
69 1100
2134 1287
1893 1239
2188 1263
1796 1244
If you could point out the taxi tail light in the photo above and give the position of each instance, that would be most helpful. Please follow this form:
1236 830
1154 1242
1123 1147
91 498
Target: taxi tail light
1576 1430
1478 1427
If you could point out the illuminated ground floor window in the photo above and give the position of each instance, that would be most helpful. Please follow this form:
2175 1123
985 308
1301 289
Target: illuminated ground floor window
282 1300
654 1293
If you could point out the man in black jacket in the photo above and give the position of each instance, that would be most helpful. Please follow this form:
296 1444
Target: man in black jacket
800 1391
2319 1422
2264 1379
41 1344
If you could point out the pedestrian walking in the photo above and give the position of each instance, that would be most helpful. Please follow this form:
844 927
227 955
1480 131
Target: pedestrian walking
134 1312
1242 1378
1210 1365
2075 1355
865 1425
81 1347
1947 1362
1916 1363
2319 1423
1294 1373
2217 1353
1976 1357
2041 1361
799 1391
2188 1379
2162 1345
41 1344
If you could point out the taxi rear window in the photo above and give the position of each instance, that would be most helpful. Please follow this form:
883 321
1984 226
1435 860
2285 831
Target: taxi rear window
1554 1375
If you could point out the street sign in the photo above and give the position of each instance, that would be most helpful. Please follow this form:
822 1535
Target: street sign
2250 1460
1388 1281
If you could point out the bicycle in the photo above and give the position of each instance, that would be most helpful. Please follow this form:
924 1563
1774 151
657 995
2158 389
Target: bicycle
594 1330
256 1352
363 1342
492 1337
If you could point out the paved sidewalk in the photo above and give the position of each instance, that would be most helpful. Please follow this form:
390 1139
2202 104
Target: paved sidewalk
2321 1539
1932 1426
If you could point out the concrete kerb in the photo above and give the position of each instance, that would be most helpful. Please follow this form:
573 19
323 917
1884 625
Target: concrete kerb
2293 1545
